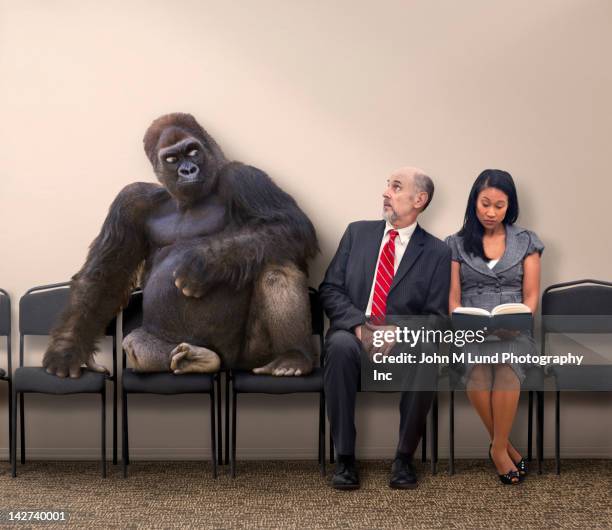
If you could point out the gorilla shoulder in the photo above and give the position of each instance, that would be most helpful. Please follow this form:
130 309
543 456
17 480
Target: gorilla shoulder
139 199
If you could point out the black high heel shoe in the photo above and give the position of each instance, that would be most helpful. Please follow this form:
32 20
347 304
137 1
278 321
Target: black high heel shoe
521 465
512 478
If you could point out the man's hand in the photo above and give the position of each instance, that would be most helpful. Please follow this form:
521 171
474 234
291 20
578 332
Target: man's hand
365 334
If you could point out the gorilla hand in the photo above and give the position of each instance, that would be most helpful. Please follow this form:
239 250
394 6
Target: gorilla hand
189 275
63 358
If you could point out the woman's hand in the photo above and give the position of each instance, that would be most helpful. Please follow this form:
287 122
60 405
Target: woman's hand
506 334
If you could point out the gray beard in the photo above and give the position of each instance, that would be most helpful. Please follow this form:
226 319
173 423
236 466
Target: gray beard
390 217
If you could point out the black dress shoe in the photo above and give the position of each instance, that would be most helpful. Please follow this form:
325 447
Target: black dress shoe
345 476
403 475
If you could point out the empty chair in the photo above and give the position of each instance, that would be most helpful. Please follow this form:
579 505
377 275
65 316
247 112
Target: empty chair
242 382
39 309
165 383
582 306
5 375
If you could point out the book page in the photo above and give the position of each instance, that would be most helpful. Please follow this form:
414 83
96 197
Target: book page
472 311
509 309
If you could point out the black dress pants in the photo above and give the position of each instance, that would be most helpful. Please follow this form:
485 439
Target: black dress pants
341 377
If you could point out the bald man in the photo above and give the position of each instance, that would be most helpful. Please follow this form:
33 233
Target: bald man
381 268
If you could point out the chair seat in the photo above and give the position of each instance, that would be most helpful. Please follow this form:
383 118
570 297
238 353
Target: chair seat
36 379
166 383
585 378
247 382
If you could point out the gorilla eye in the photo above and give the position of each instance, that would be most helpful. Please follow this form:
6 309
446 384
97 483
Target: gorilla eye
193 152
171 159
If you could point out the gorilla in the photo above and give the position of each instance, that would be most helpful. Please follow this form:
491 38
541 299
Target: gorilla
221 254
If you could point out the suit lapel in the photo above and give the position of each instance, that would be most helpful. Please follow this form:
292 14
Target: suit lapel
371 248
412 253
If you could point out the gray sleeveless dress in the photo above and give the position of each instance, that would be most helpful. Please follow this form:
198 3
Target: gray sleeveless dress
486 287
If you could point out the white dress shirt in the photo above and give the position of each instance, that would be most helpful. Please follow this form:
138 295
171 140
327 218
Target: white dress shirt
401 242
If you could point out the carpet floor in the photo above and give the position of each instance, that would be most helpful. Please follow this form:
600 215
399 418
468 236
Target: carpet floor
293 495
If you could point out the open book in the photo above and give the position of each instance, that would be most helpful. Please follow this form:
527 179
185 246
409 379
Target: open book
513 316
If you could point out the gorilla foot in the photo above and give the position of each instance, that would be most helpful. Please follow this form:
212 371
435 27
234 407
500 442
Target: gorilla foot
293 363
187 358
130 345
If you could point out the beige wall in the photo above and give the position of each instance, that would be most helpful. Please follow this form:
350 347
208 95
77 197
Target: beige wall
328 97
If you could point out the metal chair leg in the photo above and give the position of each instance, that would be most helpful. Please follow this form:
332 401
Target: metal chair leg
11 431
434 435
529 426
228 379
114 380
558 433
22 426
322 433
451 431
13 440
219 421
424 443
125 444
234 436
540 429
103 433
213 434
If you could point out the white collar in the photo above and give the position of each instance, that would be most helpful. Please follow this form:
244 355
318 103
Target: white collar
403 233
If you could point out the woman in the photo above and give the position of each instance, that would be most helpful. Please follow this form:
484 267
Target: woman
496 262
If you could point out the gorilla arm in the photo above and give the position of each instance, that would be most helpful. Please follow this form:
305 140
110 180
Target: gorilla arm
265 225
103 284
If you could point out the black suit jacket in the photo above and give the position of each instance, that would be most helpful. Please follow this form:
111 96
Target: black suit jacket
420 285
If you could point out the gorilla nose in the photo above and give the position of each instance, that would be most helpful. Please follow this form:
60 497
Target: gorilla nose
188 170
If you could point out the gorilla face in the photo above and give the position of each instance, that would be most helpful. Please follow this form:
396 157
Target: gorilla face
184 156
184 165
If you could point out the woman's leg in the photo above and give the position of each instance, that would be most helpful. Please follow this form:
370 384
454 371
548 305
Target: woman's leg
504 402
478 390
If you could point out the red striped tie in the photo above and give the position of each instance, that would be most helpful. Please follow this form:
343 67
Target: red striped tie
384 278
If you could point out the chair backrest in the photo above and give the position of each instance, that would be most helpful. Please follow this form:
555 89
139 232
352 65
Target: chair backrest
5 325
40 308
5 313
582 306
316 312
317 319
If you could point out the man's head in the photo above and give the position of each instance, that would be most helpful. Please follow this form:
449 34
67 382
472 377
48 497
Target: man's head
409 191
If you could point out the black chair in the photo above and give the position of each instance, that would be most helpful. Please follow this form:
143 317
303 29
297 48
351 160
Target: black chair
164 383
533 383
243 382
39 309
5 331
582 306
